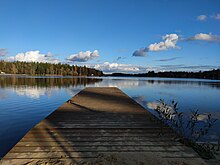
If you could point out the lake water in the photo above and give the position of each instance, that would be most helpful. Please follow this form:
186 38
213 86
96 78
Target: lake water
25 101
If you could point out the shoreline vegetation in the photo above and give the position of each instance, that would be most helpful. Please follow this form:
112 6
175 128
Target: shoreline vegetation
190 129
212 74
48 69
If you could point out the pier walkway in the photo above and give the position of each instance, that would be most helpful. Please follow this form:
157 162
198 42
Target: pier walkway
100 126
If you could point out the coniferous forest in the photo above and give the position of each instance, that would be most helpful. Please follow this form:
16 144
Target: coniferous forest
36 68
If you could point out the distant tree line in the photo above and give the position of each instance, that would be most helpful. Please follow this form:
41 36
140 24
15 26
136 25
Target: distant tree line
39 68
212 74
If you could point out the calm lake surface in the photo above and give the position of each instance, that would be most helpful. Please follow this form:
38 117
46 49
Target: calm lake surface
25 101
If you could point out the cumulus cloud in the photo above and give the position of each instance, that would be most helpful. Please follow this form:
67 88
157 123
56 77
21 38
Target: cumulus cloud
83 56
3 52
116 67
108 67
170 41
205 37
202 17
33 56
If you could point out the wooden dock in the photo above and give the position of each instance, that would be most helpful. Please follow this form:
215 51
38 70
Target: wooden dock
100 126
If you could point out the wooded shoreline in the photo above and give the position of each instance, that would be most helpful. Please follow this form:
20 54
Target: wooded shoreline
48 69
36 68
212 74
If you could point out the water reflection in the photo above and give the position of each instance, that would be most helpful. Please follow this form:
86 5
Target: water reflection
213 135
6 81
34 92
140 82
37 92
24 101
73 91
34 88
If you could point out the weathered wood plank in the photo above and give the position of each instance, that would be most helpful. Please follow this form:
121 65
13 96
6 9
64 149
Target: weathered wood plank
97 143
72 135
100 149
91 139
86 154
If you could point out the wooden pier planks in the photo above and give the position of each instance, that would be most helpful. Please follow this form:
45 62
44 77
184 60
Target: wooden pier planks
94 122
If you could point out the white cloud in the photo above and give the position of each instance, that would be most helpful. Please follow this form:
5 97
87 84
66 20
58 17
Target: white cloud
205 37
33 56
3 52
84 56
170 41
202 17
116 67
108 67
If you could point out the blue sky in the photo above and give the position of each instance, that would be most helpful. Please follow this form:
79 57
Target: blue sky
113 35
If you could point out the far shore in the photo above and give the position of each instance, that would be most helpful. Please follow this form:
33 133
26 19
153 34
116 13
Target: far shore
123 75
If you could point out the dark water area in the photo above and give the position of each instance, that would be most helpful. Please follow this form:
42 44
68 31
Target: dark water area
25 101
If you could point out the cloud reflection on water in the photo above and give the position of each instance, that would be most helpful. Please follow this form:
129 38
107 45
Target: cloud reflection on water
34 92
